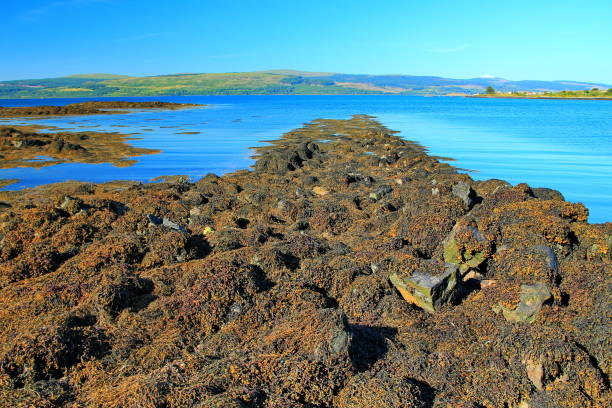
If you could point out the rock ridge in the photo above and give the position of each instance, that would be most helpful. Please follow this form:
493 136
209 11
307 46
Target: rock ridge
348 268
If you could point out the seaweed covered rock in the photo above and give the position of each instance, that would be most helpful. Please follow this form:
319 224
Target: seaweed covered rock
286 158
466 247
23 146
428 287
88 108
532 299
49 352
380 390
349 269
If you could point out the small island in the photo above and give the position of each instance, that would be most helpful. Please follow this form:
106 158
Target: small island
89 108
27 146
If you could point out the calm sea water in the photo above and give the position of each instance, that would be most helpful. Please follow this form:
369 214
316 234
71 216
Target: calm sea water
560 144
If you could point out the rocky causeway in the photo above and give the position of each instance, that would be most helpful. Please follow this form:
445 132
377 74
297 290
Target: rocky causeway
349 268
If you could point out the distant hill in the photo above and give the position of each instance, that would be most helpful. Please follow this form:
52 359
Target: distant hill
274 82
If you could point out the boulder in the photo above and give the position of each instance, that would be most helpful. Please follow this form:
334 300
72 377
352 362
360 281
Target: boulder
172 225
547 194
532 299
465 193
164 222
466 247
281 161
380 192
72 205
428 287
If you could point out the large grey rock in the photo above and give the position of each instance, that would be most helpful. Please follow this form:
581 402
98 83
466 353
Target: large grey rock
532 299
164 222
380 192
465 193
428 287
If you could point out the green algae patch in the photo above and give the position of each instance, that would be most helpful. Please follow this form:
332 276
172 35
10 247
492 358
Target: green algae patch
452 254
466 247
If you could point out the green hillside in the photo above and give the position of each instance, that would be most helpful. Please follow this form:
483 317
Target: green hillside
275 82
178 84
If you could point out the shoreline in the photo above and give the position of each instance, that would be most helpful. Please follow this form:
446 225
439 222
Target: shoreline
347 268
27 146
89 108
536 97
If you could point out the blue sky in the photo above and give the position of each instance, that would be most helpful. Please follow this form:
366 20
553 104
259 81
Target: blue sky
535 39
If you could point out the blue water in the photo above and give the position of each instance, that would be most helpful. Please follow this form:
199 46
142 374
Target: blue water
560 144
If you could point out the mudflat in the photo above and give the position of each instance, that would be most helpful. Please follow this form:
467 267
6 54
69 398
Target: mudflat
349 268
